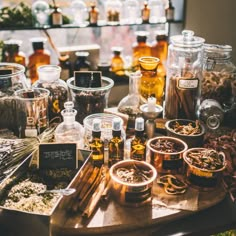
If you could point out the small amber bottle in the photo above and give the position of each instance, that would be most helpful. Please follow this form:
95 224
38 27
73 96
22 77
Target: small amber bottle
93 14
117 62
145 12
39 57
12 52
96 145
56 17
138 143
140 48
116 144
170 11
159 49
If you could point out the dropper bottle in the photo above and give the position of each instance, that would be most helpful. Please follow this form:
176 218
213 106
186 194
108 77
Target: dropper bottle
70 130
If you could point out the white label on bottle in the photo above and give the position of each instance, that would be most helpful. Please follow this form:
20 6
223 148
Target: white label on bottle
188 83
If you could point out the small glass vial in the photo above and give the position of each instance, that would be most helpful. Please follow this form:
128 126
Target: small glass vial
211 113
93 14
49 78
12 52
56 16
140 48
69 130
81 63
79 13
66 67
113 11
96 145
138 143
145 12
39 57
116 143
117 62
170 11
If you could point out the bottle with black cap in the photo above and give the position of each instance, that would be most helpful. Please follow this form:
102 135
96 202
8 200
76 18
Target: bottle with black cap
39 57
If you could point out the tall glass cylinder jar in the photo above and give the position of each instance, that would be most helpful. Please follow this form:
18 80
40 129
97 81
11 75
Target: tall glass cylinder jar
151 84
12 78
219 74
49 78
184 75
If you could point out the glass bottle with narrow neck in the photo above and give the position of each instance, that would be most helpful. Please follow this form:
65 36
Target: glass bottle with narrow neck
96 145
138 143
130 104
116 144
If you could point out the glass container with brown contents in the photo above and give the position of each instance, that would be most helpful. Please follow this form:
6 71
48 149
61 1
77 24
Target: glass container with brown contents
184 74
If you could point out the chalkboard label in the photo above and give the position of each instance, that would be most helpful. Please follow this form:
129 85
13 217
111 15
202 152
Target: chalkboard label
5 82
58 155
88 79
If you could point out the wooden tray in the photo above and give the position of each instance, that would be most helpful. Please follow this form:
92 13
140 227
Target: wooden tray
114 218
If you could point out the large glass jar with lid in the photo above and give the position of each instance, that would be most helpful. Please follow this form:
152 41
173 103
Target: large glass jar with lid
49 78
219 74
184 75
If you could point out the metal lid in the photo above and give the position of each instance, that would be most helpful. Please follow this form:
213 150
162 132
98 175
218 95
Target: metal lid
217 48
187 39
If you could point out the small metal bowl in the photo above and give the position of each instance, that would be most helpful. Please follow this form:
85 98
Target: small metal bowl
192 140
132 194
166 161
202 178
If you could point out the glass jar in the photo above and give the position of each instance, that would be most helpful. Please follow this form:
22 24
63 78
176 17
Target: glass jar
113 11
89 100
211 113
70 130
219 74
79 13
151 84
130 104
131 12
157 13
12 78
40 12
184 75
49 78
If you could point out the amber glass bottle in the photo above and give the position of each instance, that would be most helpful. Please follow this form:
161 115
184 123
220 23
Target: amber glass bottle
145 12
12 52
117 62
39 57
66 67
140 48
138 143
116 144
93 14
96 145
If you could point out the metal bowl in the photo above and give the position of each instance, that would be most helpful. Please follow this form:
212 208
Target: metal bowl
202 178
192 140
166 161
132 194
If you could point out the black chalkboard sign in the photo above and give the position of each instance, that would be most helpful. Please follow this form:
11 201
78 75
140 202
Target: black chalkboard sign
5 82
88 79
58 155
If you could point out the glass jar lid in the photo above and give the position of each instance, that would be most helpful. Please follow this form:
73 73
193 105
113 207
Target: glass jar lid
187 39
217 51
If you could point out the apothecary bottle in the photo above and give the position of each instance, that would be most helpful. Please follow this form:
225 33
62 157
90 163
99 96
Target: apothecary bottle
81 62
117 61
130 104
113 11
66 67
131 12
56 18
79 13
93 14
157 13
219 74
12 52
184 75
49 78
40 12
70 130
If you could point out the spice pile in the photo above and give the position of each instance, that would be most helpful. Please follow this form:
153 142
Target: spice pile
188 129
225 140
168 146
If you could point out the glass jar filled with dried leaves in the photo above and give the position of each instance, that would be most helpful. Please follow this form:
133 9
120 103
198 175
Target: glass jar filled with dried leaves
219 74
184 74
